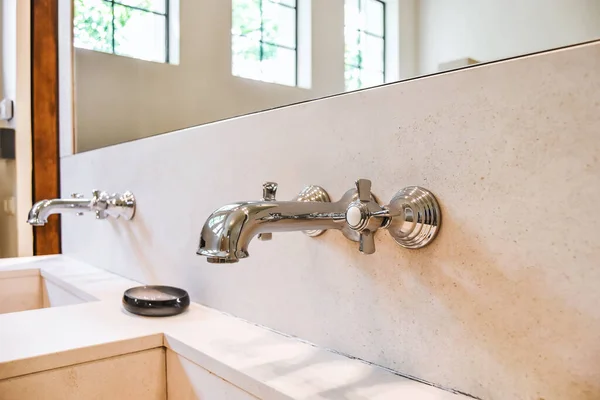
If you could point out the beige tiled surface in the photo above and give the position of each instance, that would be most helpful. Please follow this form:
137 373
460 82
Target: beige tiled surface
18 270
258 361
20 291
502 306
136 376
24 288
189 381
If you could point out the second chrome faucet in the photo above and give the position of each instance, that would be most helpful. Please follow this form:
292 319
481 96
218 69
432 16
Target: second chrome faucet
412 218
101 203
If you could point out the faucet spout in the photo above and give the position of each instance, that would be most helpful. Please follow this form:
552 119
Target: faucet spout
228 231
39 213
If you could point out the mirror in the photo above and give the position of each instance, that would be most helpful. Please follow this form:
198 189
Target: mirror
145 67
9 246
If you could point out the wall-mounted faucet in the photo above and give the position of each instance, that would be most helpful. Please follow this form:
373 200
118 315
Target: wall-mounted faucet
412 218
102 203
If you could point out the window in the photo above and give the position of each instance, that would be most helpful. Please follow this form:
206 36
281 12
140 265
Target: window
134 28
365 43
264 40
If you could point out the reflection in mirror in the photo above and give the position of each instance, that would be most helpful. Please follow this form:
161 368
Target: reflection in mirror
144 67
131 28
8 183
9 236
264 41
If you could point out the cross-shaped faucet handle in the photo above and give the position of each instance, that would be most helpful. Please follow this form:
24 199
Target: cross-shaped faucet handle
365 216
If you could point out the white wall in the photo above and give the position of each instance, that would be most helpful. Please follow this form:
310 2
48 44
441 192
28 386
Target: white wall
15 175
503 305
488 30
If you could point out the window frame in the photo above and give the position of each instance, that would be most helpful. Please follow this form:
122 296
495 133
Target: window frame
262 42
383 38
166 15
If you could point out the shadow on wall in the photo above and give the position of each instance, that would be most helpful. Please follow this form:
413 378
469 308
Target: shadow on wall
139 239
533 334
528 331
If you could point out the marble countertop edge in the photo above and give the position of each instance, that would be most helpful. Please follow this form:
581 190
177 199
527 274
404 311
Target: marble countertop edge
263 362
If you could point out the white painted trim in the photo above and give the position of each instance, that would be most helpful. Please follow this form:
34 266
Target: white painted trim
66 87
174 32
304 42
392 40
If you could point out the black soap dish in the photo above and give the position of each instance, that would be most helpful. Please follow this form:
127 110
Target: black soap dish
156 301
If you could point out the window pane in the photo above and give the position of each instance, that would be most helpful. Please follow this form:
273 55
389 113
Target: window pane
279 24
365 43
352 76
371 78
245 17
352 15
372 52
264 55
373 16
152 5
352 55
245 61
279 65
92 25
140 34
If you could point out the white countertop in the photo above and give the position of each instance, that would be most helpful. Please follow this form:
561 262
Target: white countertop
250 356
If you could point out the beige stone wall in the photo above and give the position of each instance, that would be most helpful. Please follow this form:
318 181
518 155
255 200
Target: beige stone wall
503 305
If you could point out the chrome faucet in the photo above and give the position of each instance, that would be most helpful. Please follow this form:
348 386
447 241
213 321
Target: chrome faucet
412 218
103 204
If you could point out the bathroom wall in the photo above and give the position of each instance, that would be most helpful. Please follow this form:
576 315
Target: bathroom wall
503 305
488 30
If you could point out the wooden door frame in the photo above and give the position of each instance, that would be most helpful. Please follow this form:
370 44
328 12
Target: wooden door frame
45 119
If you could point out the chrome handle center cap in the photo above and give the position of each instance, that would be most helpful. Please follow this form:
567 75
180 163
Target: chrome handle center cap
356 216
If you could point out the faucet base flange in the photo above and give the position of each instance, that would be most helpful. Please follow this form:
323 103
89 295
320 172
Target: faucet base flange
127 202
415 217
